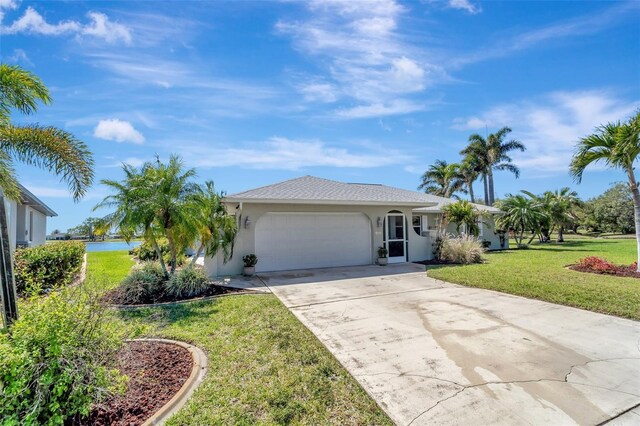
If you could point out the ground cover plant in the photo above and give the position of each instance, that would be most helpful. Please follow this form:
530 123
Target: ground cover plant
541 273
598 265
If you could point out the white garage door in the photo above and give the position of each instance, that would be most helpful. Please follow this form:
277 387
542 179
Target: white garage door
286 241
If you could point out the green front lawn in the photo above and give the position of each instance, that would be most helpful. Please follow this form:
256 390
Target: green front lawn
540 273
265 367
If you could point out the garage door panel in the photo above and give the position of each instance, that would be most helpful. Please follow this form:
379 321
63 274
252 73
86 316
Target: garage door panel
315 240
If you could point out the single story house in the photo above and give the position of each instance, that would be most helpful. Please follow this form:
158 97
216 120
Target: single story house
27 220
311 222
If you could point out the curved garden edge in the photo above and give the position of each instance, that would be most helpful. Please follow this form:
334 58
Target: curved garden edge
198 373
181 302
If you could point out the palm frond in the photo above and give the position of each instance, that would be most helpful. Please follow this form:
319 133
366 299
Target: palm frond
51 149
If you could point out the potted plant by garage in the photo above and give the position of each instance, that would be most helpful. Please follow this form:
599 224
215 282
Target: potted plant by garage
382 256
250 261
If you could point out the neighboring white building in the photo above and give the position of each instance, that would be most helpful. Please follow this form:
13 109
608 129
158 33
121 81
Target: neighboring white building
27 220
311 222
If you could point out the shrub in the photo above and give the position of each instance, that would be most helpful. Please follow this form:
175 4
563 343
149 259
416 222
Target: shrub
144 284
464 249
597 264
250 260
187 282
146 253
58 359
40 269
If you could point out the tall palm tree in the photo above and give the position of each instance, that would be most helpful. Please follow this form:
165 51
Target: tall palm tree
493 154
443 179
218 229
618 146
469 171
48 148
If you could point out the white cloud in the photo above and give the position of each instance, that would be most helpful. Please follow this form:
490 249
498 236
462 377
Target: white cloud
7 4
367 60
398 107
551 125
278 153
102 27
465 5
319 92
99 26
43 191
118 130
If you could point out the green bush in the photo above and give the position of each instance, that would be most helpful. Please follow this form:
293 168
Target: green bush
40 269
146 253
58 360
187 282
464 249
144 284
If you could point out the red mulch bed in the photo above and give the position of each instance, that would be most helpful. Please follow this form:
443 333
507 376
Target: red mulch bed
156 372
598 265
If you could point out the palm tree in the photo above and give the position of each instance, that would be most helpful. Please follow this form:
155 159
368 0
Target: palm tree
48 148
162 200
464 213
443 179
618 146
218 229
469 171
522 214
493 153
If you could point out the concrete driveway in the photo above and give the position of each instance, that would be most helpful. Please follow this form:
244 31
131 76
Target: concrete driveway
436 353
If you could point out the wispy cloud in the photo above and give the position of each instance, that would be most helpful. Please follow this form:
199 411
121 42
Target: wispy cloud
99 26
19 56
365 57
119 131
551 125
279 153
465 5
583 25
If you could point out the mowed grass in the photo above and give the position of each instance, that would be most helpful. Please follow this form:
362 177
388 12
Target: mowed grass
540 273
265 367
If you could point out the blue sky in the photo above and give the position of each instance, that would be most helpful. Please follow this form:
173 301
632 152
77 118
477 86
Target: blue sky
251 93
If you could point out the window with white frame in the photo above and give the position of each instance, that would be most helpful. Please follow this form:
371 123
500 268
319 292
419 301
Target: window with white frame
416 222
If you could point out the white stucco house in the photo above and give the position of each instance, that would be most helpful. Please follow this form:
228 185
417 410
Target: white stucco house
311 222
27 220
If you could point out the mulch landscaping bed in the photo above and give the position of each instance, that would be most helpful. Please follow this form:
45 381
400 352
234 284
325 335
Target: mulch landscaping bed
621 271
113 296
156 372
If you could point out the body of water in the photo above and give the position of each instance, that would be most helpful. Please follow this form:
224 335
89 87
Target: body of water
111 245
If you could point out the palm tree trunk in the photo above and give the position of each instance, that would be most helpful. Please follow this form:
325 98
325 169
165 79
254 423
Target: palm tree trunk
172 250
635 194
7 283
159 254
492 197
486 189
197 255
471 192
561 234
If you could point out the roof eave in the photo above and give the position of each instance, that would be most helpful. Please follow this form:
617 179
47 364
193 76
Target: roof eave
328 202
28 199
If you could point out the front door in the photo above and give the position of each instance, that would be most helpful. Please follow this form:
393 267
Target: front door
396 235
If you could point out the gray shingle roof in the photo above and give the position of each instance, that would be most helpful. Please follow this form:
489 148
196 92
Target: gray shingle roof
314 190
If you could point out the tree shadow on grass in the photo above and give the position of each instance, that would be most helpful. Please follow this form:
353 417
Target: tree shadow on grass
165 315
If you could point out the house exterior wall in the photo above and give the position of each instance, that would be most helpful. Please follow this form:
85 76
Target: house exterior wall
38 234
11 208
419 247
487 230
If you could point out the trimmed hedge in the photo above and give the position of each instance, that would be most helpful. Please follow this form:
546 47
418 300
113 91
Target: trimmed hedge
39 269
